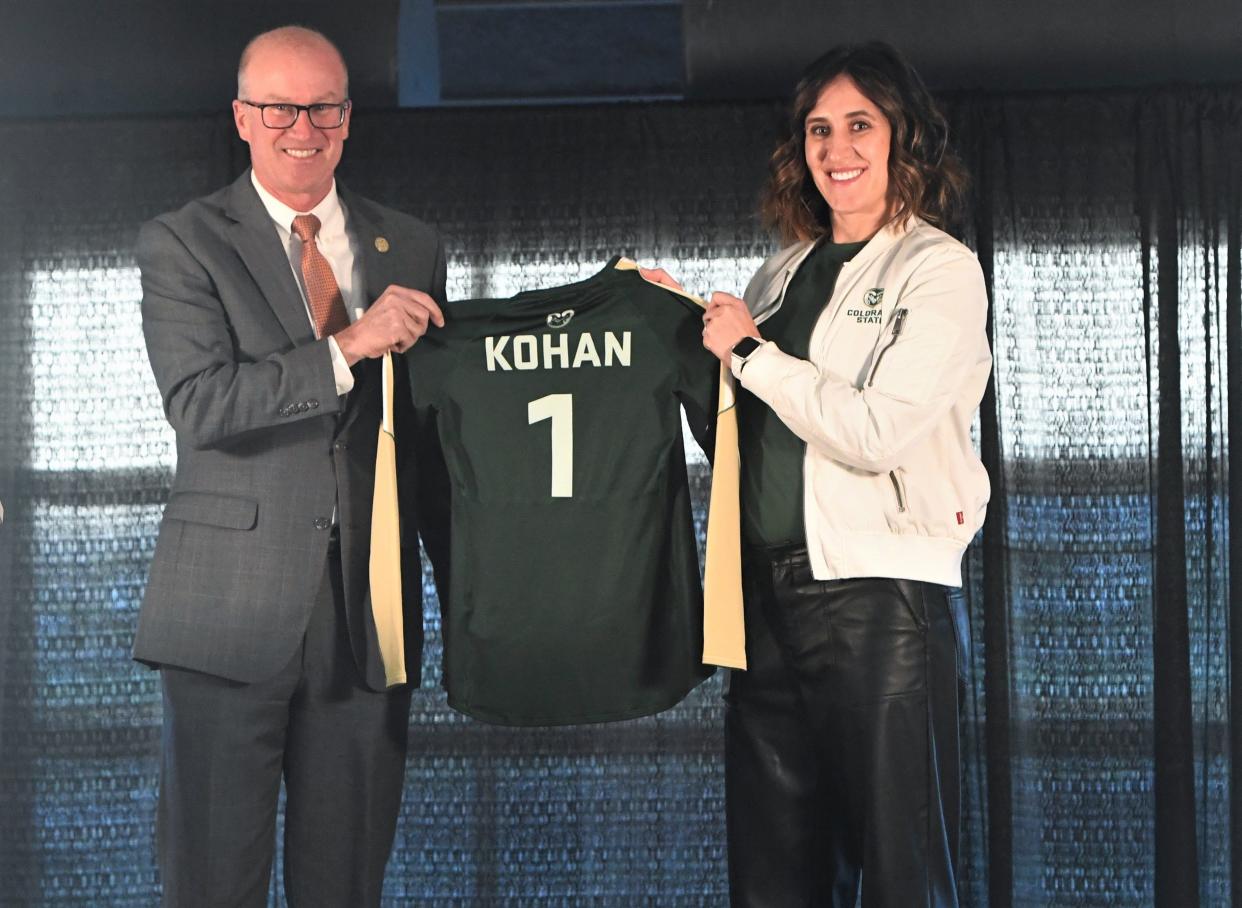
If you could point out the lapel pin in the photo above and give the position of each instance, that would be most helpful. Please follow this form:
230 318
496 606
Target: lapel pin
381 244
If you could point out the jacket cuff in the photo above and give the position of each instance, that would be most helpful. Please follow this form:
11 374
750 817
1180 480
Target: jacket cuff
738 366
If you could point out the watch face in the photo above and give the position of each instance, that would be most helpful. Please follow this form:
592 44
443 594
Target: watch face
745 347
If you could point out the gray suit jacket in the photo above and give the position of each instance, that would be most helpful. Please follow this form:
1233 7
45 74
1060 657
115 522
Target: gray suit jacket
265 446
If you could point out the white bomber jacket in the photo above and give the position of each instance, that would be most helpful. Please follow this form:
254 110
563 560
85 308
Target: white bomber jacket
899 359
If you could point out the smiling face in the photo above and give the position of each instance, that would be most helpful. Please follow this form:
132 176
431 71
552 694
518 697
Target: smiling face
294 164
847 143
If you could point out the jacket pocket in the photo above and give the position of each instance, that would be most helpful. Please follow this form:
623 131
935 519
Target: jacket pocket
943 498
899 489
213 509
846 499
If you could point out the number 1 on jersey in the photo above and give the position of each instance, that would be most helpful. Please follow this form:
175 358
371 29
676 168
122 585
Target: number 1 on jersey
560 409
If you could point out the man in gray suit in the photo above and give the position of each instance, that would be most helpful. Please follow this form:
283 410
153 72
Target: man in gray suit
265 309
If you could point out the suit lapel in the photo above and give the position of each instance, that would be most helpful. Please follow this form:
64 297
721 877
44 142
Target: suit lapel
378 271
254 236
379 257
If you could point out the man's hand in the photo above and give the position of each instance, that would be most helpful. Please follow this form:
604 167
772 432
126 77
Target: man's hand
393 322
726 321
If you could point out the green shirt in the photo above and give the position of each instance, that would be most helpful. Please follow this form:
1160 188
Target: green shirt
771 454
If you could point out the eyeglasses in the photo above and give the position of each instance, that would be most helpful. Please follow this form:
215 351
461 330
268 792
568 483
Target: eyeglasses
282 116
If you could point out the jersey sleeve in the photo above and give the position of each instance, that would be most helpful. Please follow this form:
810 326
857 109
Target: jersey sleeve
678 322
425 363
433 358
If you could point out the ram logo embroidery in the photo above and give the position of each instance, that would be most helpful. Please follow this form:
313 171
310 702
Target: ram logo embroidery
874 297
560 319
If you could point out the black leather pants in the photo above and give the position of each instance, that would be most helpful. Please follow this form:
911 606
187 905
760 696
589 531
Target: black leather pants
841 742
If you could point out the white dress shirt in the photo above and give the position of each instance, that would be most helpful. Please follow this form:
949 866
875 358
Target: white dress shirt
341 250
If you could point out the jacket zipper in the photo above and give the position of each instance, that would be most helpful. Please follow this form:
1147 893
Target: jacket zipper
901 493
899 318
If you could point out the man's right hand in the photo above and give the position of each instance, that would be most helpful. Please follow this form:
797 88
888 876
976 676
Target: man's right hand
394 322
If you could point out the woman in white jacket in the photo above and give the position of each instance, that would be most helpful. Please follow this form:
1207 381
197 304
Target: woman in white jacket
862 356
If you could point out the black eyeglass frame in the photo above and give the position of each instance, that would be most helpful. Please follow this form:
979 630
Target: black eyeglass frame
341 107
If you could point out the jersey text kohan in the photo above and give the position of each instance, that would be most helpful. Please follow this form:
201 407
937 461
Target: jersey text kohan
572 592
526 351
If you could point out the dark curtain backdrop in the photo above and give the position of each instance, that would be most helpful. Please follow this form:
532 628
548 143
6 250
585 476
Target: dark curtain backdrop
1100 720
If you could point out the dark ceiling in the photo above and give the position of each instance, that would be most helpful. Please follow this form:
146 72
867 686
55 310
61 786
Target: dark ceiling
738 48
71 58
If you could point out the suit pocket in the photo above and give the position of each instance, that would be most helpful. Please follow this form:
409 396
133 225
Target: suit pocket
212 509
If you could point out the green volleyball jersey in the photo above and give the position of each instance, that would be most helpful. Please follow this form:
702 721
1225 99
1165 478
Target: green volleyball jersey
573 592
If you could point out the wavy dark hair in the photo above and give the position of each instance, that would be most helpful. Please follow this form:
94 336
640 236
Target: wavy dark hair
926 177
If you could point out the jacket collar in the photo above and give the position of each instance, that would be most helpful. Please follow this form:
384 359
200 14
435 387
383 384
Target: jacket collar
254 236
887 236
779 271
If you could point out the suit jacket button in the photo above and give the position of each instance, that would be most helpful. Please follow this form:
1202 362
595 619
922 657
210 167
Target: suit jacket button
303 407
322 523
313 403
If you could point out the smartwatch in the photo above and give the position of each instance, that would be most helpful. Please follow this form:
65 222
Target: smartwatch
742 350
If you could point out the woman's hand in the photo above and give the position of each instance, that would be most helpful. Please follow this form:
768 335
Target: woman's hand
660 276
726 322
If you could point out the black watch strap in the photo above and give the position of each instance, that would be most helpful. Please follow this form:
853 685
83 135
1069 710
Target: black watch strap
745 347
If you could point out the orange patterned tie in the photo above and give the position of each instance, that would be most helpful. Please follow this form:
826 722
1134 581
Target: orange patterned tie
326 305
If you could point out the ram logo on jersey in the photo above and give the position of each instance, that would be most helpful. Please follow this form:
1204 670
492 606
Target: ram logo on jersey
553 351
560 319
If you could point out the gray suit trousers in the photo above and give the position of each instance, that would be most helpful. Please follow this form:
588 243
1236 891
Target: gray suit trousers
339 746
